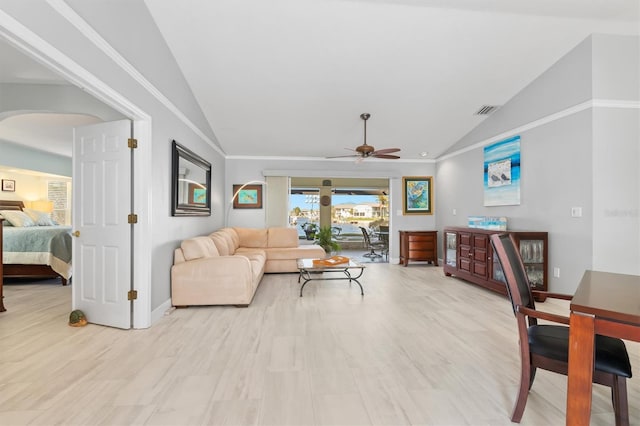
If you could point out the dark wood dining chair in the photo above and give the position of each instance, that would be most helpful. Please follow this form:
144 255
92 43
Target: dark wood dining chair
547 346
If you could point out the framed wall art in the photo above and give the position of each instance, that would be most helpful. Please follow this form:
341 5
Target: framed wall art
502 173
8 185
247 196
417 195
197 194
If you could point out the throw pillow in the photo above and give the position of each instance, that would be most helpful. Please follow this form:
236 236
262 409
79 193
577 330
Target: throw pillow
39 218
17 218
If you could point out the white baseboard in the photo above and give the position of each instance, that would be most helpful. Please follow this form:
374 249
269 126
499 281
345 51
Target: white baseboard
160 311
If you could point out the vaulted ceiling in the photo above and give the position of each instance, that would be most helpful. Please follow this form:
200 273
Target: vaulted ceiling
291 77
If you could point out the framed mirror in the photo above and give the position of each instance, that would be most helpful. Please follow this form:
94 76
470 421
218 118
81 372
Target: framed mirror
191 183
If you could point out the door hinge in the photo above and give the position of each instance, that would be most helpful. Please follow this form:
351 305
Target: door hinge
132 295
132 143
132 218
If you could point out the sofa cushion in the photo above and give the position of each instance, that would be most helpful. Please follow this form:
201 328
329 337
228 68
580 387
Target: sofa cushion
252 253
252 237
283 237
198 247
233 237
221 243
302 252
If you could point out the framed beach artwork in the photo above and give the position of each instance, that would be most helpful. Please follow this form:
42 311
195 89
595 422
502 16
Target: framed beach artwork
502 173
247 196
417 195
197 193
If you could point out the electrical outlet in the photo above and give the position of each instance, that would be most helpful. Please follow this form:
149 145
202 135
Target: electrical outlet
556 272
455 212
576 211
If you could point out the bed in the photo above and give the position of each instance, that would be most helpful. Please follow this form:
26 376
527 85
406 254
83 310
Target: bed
35 251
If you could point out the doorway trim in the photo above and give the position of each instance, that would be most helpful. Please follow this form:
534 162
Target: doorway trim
28 42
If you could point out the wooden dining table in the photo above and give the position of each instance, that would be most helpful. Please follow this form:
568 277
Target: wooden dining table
605 303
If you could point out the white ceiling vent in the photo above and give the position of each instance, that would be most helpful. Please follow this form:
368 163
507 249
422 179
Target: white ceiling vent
487 109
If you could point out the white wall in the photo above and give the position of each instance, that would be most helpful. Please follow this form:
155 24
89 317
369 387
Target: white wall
52 98
573 155
616 155
172 107
616 190
29 186
23 157
241 170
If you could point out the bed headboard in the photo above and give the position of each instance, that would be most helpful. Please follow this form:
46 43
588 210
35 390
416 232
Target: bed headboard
11 205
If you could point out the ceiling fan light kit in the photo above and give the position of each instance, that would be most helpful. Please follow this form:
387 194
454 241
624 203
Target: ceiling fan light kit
365 151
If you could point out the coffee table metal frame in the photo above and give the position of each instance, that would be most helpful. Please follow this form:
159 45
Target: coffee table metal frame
306 268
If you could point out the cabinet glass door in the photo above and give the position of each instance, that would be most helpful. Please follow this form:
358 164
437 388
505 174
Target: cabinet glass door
451 247
532 253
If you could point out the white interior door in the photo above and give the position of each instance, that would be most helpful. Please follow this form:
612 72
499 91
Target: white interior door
102 241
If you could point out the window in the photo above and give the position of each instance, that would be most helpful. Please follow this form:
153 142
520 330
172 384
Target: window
60 193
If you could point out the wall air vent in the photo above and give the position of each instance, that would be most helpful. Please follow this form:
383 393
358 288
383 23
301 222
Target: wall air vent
487 109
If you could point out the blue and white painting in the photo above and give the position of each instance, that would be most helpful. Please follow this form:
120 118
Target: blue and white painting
502 173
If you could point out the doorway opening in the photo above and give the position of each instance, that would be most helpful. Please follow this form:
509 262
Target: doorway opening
346 205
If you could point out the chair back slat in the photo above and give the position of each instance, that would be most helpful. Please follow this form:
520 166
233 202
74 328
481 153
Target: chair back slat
518 286
365 235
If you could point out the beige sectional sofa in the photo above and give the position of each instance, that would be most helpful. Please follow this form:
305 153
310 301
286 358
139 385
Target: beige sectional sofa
225 267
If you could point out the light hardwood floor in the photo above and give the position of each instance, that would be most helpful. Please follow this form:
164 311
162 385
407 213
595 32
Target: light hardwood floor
418 348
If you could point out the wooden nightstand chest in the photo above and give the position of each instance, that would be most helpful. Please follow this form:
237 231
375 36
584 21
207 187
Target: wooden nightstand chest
418 246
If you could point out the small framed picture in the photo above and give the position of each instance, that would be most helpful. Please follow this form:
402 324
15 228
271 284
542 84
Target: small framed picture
8 185
417 195
247 196
197 194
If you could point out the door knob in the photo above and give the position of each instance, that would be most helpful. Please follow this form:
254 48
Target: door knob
76 234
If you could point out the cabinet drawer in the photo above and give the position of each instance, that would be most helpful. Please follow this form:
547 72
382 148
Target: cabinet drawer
428 238
465 265
422 245
465 238
421 254
480 241
480 254
480 269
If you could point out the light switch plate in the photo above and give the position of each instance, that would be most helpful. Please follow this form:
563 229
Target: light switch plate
576 211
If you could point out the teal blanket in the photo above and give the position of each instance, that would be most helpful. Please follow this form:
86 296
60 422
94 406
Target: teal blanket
55 240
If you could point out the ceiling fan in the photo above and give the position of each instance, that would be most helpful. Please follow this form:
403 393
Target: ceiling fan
365 151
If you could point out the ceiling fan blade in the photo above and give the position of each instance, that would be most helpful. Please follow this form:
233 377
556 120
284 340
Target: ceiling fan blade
345 156
387 156
385 151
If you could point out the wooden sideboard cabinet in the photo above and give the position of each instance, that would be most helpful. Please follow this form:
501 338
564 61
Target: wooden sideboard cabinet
468 255
418 245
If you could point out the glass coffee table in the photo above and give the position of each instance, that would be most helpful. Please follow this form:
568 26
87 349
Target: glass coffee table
348 271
